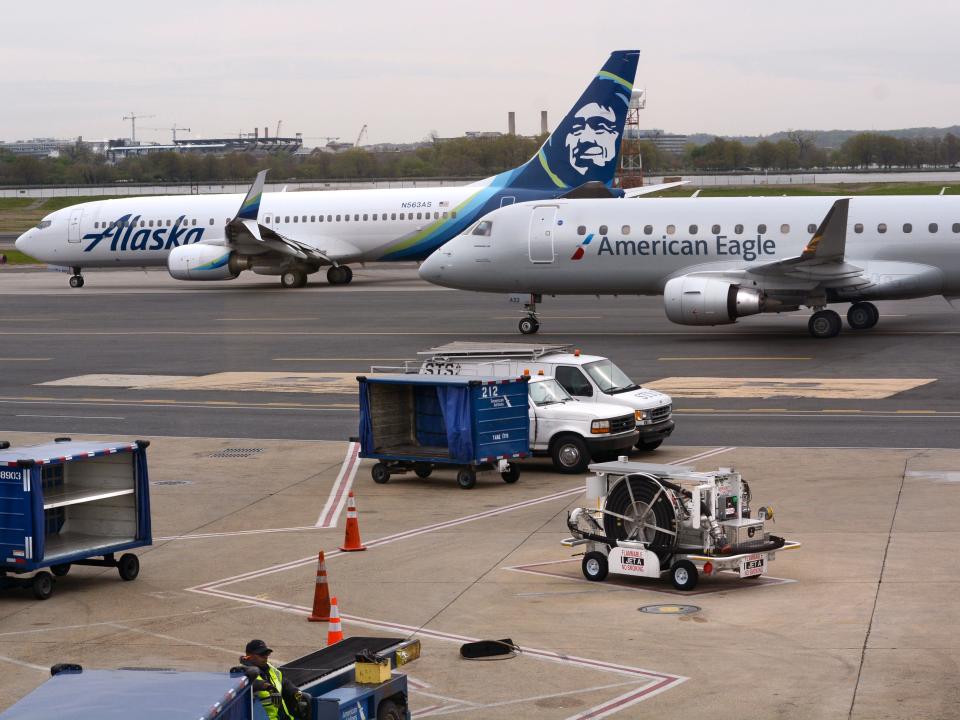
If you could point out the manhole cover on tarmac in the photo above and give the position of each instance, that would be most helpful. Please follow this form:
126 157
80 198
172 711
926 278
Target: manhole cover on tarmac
235 453
670 609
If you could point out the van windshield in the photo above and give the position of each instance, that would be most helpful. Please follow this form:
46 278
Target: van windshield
546 392
609 378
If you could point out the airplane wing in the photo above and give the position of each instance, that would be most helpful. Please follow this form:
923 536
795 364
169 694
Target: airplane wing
822 260
247 234
647 189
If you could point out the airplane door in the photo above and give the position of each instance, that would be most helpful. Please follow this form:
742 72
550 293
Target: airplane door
73 227
543 223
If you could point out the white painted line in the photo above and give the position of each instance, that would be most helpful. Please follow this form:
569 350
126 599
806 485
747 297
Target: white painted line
76 417
338 493
235 533
21 663
180 641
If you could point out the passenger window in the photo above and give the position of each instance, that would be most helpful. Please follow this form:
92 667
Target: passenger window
211 221
150 224
346 218
625 230
738 229
881 227
143 223
436 215
784 229
193 222
671 229
574 381
603 230
286 218
338 218
956 227
693 229
313 218
761 229
168 223
356 217
320 217
581 230
811 228
375 216
445 214
330 218
365 217
932 227
403 216
715 229
453 213
858 228
908 227
483 228
304 218
648 229
295 218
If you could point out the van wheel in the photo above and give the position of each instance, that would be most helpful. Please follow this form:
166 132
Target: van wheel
569 453
42 585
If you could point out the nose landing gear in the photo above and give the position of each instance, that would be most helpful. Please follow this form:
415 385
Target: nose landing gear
76 281
530 324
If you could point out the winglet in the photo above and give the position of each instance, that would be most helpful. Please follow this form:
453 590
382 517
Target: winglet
830 240
250 209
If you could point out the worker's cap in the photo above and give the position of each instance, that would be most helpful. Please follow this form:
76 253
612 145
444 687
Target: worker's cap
258 647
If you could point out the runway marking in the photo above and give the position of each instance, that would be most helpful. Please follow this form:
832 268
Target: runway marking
196 404
161 636
731 358
338 493
747 387
333 359
76 417
24 359
235 533
21 663
333 383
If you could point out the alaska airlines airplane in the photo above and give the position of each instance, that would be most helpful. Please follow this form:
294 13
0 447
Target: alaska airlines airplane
715 260
293 235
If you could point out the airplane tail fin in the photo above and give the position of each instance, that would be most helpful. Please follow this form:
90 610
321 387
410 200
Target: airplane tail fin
585 146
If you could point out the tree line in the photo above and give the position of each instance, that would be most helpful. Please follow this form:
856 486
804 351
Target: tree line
473 158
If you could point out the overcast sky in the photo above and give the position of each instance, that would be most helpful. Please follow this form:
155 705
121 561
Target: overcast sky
406 69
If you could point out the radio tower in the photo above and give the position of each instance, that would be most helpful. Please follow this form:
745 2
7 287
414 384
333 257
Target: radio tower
631 164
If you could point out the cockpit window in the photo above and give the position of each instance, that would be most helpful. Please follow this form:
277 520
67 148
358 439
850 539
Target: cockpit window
44 224
483 228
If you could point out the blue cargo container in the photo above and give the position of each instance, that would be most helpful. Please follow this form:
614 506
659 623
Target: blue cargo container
419 422
69 503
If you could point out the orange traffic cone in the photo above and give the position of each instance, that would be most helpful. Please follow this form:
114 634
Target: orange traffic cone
334 630
321 594
351 540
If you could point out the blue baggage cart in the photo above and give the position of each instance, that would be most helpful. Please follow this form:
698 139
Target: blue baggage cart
421 422
68 503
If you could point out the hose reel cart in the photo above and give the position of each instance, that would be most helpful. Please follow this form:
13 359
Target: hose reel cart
652 520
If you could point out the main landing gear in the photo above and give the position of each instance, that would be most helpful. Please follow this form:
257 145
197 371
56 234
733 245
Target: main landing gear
293 278
76 281
339 275
530 324
826 323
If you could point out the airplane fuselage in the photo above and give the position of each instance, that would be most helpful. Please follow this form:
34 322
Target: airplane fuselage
908 246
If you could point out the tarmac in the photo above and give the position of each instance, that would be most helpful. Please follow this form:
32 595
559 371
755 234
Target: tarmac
853 441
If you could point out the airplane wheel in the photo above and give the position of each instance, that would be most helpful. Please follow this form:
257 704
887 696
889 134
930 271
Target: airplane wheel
293 279
341 275
824 324
862 315
76 281
529 326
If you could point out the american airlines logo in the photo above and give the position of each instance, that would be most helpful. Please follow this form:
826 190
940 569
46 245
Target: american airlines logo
747 249
125 235
578 253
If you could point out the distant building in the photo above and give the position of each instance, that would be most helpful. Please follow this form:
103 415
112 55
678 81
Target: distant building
38 147
119 149
666 142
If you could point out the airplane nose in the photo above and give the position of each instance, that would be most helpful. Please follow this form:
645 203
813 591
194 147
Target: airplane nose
22 242
432 268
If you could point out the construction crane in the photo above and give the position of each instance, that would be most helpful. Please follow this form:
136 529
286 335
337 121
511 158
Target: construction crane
133 117
363 131
173 130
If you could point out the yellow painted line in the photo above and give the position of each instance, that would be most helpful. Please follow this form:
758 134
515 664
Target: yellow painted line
767 410
840 411
916 412
332 359
731 357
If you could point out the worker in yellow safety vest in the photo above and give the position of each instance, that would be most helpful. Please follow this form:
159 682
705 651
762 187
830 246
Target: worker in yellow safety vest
280 698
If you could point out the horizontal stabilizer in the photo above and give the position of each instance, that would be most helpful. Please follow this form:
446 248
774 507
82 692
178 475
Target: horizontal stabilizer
594 189
647 189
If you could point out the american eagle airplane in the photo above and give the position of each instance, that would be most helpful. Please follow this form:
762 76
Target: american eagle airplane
293 235
715 260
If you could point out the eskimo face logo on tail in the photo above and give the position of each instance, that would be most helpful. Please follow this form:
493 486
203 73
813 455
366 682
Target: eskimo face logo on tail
592 139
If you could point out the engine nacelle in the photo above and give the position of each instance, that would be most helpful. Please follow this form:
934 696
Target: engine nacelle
691 300
205 262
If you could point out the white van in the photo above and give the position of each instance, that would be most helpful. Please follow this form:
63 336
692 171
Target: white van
588 378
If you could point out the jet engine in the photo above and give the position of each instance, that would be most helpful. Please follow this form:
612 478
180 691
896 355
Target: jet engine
692 300
205 262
